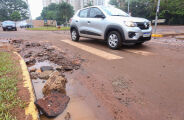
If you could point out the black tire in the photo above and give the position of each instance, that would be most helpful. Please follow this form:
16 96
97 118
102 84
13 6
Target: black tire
74 35
117 43
15 29
4 29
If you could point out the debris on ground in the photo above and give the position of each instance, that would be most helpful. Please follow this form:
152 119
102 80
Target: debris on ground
67 116
56 82
44 75
46 68
48 65
53 104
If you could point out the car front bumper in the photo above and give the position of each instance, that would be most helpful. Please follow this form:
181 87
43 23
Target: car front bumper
136 35
9 28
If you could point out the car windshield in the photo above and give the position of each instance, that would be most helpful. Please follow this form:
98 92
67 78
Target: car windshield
114 11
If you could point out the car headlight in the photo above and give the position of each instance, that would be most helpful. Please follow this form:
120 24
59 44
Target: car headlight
130 24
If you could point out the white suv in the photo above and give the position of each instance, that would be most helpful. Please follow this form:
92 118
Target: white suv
110 24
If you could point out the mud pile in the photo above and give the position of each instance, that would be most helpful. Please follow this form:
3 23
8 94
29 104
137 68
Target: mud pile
48 65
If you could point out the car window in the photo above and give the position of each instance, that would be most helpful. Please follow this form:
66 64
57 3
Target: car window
94 12
83 13
114 11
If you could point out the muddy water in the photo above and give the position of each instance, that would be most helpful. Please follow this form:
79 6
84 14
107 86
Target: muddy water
38 84
82 105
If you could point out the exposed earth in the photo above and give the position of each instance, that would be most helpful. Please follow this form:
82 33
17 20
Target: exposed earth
133 83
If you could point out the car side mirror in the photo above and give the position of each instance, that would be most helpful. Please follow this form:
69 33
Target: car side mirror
100 16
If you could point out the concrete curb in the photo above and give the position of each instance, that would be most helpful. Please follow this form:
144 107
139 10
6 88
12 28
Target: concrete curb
157 35
166 35
31 108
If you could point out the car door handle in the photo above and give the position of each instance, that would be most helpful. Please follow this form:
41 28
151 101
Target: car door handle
89 22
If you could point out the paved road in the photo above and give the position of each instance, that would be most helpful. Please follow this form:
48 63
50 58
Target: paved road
134 83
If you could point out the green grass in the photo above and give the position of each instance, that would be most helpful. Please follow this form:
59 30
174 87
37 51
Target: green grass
49 29
8 86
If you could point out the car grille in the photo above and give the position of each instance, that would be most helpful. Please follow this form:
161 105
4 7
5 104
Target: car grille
143 25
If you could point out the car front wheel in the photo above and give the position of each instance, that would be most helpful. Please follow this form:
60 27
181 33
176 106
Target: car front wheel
74 35
114 40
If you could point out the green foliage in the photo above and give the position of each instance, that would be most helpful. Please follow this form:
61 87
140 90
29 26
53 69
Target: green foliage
114 3
90 3
60 12
8 86
118 3
39 18
9 7
15 16
171 10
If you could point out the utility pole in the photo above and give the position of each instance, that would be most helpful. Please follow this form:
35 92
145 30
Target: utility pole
156 18
128 6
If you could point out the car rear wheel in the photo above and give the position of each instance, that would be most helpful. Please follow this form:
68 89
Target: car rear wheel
114 40
15 29
74 35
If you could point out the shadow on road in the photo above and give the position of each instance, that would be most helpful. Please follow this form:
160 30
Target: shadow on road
103 44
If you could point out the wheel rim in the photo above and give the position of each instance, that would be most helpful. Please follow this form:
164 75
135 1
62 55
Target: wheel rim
113 40
74 35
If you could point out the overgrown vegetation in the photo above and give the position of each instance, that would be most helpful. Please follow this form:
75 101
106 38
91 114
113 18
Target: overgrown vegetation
13 10
60 12
171 10
8 86
49 28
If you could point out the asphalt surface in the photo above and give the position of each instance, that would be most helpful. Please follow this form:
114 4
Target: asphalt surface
134 83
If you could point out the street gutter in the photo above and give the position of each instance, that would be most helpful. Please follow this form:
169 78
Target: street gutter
31 108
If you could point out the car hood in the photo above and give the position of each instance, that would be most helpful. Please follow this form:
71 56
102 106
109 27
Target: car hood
132 19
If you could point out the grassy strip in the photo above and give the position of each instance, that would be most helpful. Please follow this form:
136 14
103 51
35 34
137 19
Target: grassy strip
49 28
8 86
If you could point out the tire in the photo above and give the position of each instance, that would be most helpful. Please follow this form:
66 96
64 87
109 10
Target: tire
114 40
15 29
74 35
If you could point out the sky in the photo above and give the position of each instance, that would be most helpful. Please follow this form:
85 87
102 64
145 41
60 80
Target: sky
36 7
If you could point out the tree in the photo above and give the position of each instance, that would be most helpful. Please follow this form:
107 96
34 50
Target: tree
90 3
65 12
171 10
8 7
114 3
15 16
117 3
39 18
60 12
